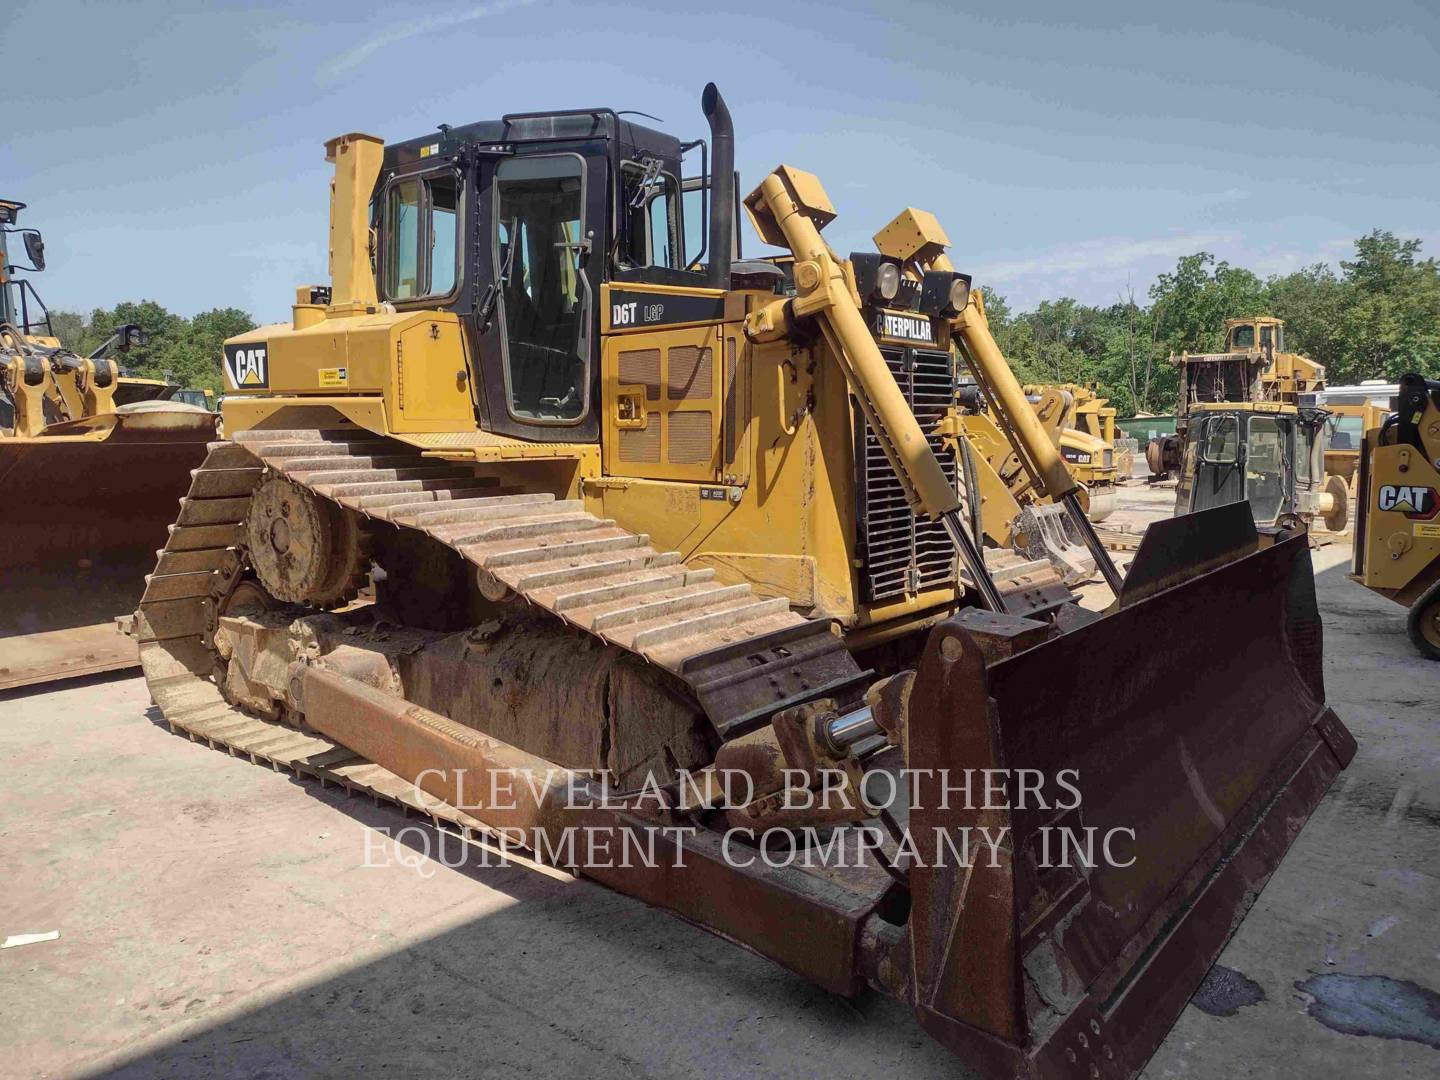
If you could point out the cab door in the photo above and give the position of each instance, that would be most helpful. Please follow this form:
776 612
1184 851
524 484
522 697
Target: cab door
1219 462
667 360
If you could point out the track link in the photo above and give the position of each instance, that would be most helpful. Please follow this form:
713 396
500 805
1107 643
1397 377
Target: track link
585 570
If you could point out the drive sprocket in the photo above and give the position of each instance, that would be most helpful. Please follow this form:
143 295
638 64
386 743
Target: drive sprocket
304 548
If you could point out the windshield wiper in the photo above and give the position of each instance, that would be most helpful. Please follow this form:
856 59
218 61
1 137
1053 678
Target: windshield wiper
492 291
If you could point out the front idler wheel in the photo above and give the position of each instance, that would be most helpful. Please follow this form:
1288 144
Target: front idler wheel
304 548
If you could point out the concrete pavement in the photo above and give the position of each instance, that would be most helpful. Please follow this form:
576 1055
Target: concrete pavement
220 919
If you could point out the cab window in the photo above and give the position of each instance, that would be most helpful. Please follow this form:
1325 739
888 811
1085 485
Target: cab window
421 232
1267 337
1222 440
539 226
1265 467
1242 337
1347 432
651 206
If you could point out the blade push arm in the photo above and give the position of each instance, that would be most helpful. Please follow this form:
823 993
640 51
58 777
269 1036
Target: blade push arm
788 209
1028 435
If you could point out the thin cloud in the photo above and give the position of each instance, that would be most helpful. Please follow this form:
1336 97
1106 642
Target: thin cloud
352 58
1104 254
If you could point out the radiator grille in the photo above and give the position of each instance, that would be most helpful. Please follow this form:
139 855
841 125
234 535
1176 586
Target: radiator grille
899 555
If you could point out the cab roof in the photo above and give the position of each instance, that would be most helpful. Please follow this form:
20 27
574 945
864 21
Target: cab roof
519 129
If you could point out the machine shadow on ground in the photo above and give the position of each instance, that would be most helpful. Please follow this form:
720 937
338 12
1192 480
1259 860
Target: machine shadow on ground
568 977
508 993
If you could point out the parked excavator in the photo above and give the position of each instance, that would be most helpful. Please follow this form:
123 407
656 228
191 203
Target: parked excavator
638 522
89 486
1397 519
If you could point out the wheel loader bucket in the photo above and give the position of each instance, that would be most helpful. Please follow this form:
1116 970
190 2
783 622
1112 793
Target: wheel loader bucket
85 507
1178 744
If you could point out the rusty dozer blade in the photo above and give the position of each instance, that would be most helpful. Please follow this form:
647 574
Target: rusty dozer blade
86 506
1193 717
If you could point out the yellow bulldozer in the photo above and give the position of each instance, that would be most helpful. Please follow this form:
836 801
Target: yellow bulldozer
1251 427
89 486
1397 519
1254 366
657 548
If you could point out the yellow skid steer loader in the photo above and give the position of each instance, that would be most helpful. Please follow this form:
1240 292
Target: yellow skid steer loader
1397 518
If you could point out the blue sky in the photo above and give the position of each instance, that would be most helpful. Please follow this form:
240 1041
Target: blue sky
173 151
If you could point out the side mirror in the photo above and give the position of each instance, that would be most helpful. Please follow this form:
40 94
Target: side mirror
132 337
35 248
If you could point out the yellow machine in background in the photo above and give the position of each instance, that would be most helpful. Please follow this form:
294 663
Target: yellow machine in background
1095 416
1253 367
1090 456
636 509
1254 387
1348 425
1397 522
88 485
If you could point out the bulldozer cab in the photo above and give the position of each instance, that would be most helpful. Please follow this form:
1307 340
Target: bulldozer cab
1270 458
517 224
1248 335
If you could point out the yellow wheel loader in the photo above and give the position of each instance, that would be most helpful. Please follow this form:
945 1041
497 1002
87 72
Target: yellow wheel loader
89 487
670 561
1397 518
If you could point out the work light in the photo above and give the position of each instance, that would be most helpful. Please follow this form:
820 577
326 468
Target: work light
944 293
877 277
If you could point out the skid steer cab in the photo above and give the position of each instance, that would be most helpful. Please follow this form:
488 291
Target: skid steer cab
1271 456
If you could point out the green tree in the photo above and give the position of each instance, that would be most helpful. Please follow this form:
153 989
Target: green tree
180 350
1312 302
1390 323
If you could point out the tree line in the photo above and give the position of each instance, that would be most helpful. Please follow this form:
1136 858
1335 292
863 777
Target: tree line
180 350
1378 318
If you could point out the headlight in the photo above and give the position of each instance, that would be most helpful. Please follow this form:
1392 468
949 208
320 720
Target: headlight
877 277
944 293
959 293
887 281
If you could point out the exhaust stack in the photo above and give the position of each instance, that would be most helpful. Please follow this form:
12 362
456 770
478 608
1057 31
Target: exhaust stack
357 159
722 186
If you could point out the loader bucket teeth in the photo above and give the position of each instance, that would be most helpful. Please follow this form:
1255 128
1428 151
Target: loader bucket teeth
1036 966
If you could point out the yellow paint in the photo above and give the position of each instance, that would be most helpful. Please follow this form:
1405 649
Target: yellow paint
1396 555
752 470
